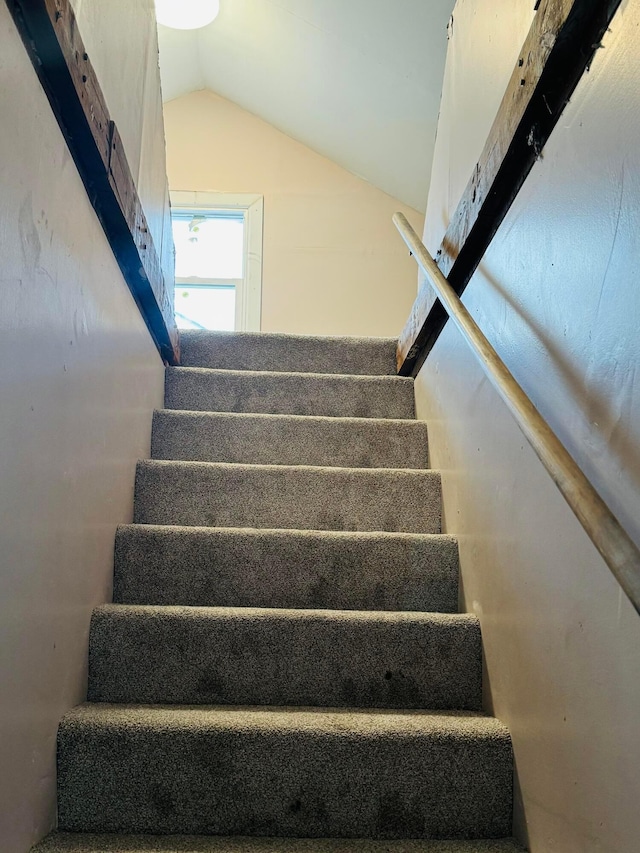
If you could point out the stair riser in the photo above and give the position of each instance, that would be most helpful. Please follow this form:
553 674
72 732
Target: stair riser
282 440
178 656
245 351
297 783
289 394
290 569
209 495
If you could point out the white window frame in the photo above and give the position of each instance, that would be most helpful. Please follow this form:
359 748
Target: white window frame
248 289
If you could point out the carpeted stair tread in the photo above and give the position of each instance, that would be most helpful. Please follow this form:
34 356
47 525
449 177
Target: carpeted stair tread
284 772
289 440
259 392
285 568
79 843
251 656
289 353
213 494
271 670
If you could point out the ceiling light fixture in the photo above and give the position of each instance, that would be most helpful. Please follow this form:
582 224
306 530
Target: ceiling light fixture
186 14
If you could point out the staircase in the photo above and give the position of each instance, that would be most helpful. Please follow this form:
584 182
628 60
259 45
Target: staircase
284 660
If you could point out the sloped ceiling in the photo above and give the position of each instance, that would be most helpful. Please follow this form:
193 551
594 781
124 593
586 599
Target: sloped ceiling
358 81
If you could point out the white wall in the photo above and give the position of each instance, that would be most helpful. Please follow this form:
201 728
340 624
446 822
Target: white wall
79 378
557 295
332 261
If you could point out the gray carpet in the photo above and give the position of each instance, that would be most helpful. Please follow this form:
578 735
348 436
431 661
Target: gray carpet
251 656
217 494
227 567
68 843
289 772
288 353
289 440
199 390
284 661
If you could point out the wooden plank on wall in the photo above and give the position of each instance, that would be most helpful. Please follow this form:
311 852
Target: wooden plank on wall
556 53
124 189
82 73
50 34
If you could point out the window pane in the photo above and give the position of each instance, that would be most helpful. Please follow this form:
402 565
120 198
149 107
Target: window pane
208 246
211 308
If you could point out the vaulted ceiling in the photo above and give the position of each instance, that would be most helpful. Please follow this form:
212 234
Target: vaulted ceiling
358 81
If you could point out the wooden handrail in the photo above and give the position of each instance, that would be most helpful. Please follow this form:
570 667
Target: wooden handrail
605 531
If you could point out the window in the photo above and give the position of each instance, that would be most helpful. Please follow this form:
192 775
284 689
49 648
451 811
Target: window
218 240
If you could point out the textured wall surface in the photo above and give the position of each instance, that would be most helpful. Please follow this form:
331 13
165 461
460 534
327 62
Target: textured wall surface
333 263
557 295
79 378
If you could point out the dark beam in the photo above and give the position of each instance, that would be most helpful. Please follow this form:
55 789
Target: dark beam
556 53
50 34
